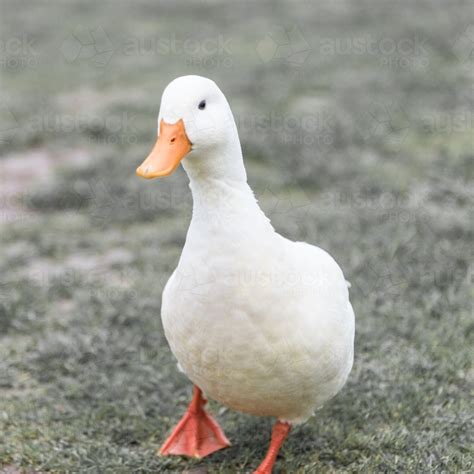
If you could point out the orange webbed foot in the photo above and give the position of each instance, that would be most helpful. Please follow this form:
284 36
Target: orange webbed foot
197 434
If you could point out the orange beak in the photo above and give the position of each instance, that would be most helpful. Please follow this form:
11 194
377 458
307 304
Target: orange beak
170 148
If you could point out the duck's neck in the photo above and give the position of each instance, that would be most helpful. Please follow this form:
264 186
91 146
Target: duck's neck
223 202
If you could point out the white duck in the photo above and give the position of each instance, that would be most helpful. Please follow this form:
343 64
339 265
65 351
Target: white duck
257 322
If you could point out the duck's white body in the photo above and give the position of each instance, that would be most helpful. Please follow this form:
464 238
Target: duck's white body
260 323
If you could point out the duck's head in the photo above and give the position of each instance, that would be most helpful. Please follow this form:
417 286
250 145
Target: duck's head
195 127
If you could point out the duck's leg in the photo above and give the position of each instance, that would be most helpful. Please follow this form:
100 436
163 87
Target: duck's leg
279 433
197 434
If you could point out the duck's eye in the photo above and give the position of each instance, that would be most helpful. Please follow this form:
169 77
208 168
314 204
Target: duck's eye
202 105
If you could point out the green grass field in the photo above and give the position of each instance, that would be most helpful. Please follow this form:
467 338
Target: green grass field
356 120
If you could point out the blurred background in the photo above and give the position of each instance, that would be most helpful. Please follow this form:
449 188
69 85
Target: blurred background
356 120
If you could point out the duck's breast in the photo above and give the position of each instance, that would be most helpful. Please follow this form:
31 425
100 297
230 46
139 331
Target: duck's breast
266 330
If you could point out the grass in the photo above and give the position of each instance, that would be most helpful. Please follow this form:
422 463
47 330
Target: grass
87 381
